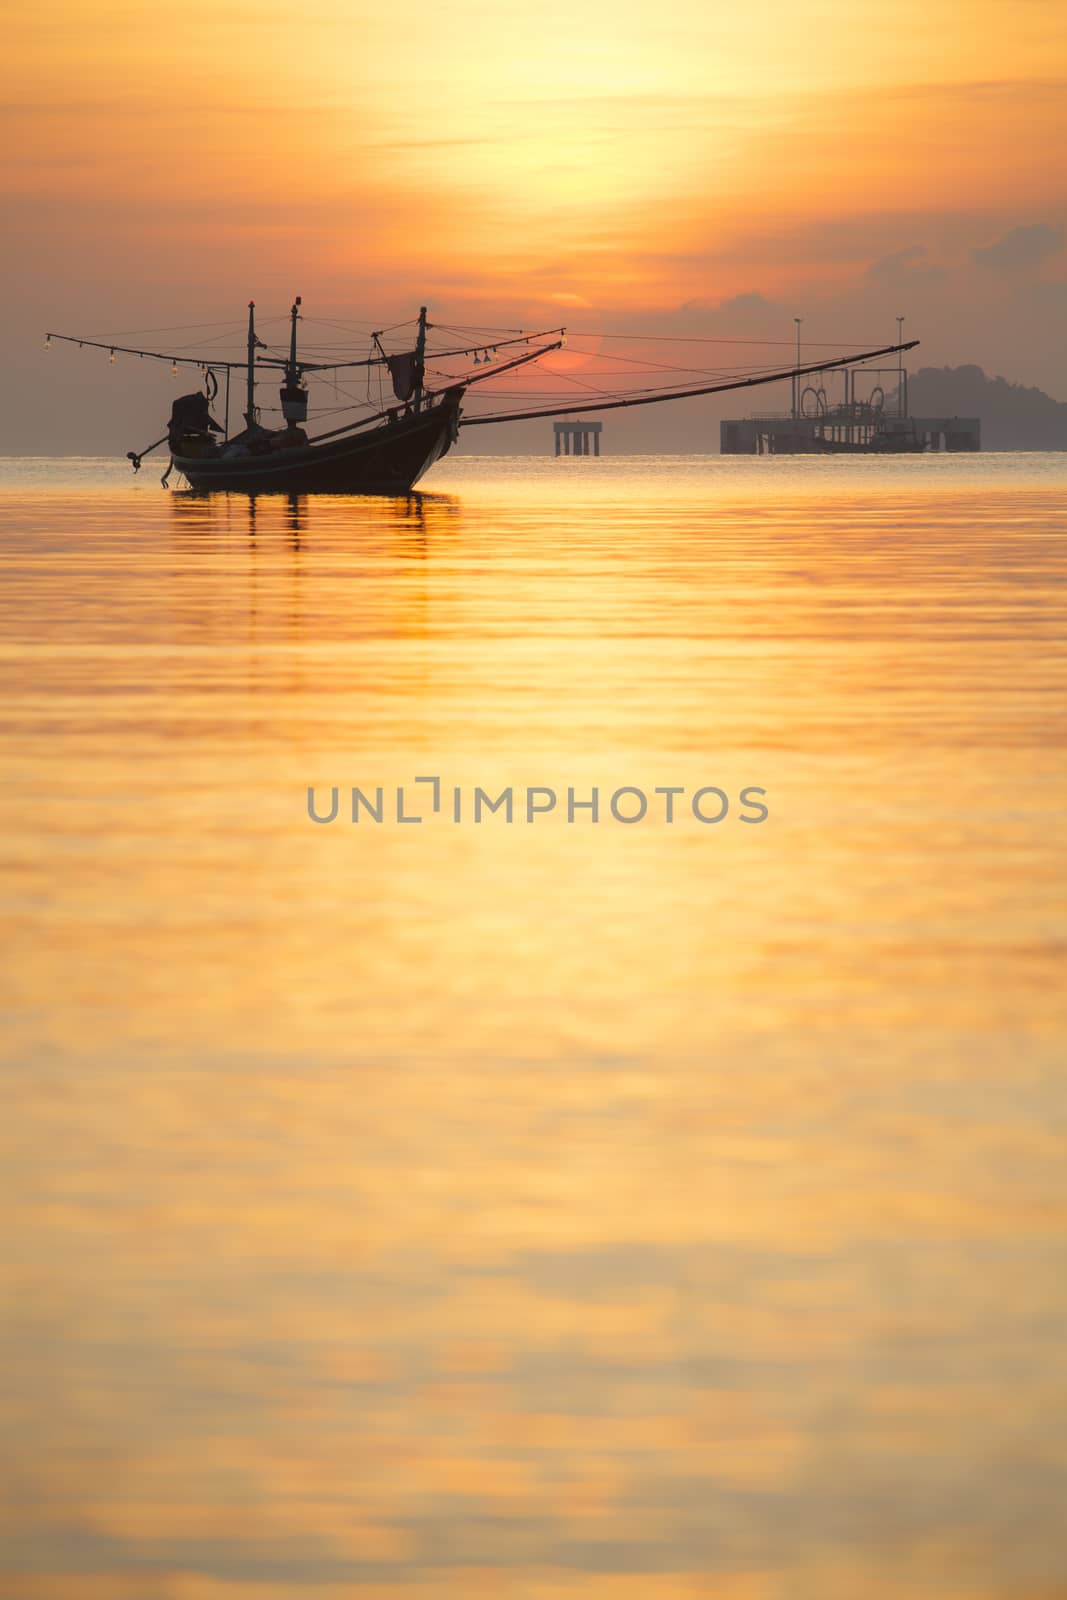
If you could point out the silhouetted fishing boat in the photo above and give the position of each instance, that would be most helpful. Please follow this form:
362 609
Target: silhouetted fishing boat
384 453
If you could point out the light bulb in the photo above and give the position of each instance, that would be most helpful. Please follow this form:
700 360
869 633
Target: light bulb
48 341
111 359
174 369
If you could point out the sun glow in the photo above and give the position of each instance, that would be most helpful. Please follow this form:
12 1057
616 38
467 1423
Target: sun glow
521 165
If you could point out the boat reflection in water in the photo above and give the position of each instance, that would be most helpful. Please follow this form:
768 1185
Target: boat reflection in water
257 515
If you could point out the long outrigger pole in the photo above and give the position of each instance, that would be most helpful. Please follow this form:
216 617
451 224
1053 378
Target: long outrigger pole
686 394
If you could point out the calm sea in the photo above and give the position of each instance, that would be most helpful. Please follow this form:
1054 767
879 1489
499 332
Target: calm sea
566 1210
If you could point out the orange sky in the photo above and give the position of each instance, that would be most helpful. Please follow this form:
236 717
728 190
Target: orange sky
840 160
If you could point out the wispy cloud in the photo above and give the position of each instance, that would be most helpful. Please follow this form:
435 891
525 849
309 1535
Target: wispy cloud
1022 248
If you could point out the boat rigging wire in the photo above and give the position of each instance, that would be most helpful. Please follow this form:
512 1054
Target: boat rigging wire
668 338
686 394
176 327
592 397
665 366
435 394
180 359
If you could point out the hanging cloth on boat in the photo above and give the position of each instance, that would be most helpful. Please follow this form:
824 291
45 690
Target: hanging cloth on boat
406 373
192 411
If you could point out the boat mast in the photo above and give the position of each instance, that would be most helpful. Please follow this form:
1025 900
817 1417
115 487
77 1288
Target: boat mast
292 376
294 394
250 405
420 357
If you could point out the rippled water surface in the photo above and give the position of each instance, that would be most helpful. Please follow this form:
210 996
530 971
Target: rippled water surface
585 1210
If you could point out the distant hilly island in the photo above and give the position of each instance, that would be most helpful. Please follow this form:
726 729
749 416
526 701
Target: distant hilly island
1012 417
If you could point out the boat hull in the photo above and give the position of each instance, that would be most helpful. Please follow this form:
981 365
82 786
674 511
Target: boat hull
386 460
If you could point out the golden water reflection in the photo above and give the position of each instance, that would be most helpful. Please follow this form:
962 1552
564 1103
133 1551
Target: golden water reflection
537 1209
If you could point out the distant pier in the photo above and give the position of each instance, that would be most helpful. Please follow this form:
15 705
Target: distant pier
846 432
873 421
574 438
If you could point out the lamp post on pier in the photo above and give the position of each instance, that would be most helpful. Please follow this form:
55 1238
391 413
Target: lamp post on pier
902 384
